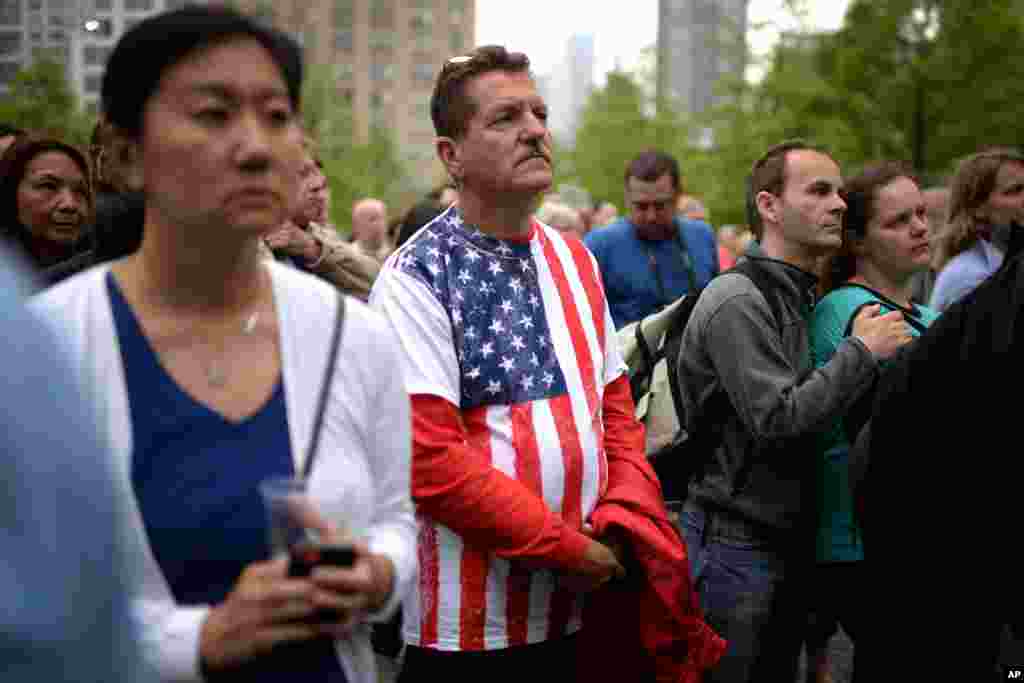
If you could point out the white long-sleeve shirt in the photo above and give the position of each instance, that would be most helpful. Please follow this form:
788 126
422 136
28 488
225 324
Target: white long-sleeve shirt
364 453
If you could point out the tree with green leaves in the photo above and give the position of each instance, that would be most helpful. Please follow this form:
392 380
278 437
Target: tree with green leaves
618 122
925 81
39 99
937 78
353 170
792 100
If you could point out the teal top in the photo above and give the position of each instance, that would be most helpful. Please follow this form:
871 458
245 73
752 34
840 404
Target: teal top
838 536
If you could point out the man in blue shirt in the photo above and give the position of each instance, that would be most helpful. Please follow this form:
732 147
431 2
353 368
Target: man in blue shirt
653 257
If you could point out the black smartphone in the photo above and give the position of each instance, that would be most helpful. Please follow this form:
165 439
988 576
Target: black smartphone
305 556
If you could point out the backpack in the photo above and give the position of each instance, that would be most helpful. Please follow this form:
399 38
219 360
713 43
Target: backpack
651 348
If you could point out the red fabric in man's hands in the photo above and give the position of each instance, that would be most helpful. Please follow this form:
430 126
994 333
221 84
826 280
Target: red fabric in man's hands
651 620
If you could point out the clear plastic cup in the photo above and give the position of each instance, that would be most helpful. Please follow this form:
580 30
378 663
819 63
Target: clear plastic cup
289 510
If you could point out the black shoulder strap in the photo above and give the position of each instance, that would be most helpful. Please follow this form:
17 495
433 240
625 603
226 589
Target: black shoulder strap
652 263
673 346
909 315
673 337
325 384
684 254
768 286
640 377
684 257
764 282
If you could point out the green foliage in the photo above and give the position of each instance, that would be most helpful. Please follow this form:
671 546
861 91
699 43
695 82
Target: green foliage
353 170
618 122
40 99
792 101
926 81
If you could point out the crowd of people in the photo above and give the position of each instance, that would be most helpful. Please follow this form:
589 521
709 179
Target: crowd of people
450 385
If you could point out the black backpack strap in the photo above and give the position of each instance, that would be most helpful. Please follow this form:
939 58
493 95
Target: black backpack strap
909 315
640 378
768 286
645 348
673 346
680 466
764 282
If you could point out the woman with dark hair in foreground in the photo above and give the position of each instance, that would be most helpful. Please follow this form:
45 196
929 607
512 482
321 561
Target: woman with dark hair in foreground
208 362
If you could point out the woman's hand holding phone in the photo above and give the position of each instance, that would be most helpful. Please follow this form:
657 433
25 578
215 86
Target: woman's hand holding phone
355 590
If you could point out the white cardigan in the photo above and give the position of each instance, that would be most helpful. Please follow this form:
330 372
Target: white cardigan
364 456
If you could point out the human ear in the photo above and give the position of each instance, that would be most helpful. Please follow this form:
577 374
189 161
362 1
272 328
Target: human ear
448 153
127 156
766 204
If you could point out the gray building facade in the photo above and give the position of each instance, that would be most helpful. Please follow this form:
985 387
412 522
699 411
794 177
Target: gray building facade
699 41
79 33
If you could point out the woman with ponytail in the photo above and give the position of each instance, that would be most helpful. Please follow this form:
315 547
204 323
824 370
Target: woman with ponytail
885 243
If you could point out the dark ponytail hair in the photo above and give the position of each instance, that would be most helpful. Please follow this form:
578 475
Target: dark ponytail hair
860 194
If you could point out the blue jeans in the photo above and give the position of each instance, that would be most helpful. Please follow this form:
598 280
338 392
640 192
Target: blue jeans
752 588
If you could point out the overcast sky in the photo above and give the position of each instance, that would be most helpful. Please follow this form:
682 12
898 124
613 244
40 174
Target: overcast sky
541 28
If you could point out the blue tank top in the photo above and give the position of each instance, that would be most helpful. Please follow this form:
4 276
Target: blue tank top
196 478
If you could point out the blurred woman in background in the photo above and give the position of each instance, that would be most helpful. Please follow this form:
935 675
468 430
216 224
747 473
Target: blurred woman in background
986 200
46 203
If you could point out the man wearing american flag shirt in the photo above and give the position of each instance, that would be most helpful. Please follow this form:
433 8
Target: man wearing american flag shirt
520 401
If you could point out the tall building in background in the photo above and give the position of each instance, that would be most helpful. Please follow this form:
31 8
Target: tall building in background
567 88
80 33
384 56
698 42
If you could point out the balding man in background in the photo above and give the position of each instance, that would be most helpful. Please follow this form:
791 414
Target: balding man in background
369 228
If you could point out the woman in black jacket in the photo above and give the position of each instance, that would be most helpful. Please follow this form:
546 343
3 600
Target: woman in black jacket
937 489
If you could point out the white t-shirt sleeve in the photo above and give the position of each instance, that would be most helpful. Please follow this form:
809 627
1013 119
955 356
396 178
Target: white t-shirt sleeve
614 365
426 347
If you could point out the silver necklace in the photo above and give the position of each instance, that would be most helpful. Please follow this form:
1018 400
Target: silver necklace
216 374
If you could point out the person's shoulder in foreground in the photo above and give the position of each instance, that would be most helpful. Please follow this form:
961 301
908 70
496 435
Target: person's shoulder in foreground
64 569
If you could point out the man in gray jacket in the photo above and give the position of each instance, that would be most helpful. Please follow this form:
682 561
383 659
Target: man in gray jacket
751 394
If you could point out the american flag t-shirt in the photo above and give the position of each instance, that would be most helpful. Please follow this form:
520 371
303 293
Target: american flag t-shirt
518 336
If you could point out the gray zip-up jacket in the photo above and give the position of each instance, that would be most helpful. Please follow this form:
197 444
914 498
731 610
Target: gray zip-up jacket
763 468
